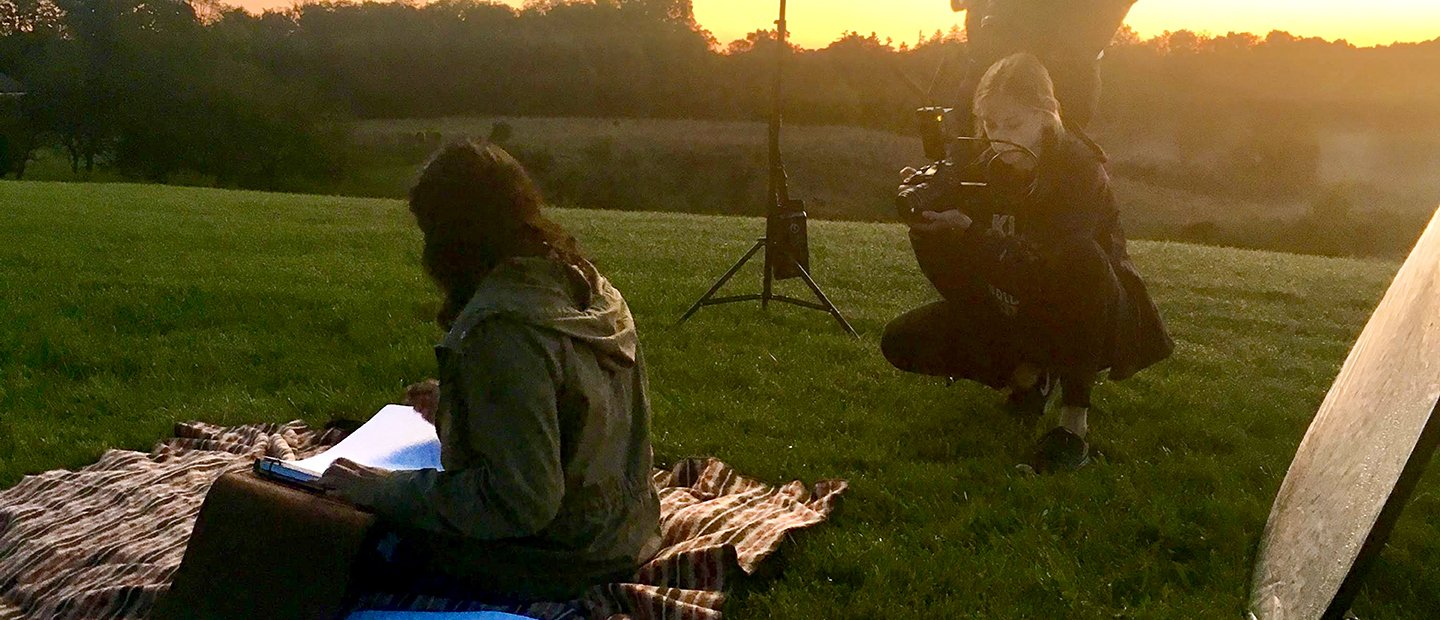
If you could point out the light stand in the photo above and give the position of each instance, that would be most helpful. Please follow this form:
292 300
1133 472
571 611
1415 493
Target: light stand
787 251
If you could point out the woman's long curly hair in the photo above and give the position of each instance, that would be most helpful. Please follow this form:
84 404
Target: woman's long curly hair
477 207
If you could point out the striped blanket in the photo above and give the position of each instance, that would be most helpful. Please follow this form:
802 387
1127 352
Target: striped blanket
103 542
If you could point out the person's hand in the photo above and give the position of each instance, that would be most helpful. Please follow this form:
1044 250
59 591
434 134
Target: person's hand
349 481
933 221
425 398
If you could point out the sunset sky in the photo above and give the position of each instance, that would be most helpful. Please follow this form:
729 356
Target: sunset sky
815 23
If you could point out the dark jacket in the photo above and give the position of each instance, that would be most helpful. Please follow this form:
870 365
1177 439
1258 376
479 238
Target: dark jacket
1015 242
544 426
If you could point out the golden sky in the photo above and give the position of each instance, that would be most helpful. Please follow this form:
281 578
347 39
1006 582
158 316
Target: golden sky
815 23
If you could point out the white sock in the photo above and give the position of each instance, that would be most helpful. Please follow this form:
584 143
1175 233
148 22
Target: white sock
1073 418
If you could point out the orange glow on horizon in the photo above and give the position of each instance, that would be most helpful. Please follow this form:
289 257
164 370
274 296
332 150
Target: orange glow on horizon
817 23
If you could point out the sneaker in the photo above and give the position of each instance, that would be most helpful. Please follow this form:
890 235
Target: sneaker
1060 450
1030 404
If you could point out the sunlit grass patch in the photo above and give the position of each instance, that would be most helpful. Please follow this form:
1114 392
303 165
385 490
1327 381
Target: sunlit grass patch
128 308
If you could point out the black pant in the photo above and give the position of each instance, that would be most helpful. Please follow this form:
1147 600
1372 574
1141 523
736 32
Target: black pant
498 573
1064 323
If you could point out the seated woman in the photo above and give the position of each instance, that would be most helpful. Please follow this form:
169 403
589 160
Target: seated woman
542 415
1037 284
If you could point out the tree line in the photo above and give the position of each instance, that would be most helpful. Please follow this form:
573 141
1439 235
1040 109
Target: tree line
159 88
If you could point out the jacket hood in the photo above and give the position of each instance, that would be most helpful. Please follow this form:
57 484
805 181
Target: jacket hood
548 294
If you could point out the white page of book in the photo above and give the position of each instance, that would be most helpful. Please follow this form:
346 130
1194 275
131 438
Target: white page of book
395 438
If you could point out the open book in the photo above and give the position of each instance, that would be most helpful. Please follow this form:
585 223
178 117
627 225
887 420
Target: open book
395 438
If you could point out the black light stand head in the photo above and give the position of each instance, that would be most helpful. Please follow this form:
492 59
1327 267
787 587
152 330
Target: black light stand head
788 244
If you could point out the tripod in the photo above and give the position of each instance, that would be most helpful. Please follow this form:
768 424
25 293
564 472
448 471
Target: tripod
787 252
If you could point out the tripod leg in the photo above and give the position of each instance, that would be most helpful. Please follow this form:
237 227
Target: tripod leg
766 289
815 288
723 279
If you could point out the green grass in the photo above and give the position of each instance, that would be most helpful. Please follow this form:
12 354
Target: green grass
130 307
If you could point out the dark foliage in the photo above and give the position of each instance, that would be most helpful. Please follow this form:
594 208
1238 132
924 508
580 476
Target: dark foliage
153 90
173 89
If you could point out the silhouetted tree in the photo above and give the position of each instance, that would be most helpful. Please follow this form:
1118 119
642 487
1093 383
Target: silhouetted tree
160 86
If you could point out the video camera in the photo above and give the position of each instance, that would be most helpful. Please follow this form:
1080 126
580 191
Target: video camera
962 172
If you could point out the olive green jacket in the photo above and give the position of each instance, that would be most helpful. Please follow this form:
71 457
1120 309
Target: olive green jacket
544 427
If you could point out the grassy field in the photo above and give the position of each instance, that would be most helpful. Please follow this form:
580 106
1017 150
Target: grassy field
128 308
850 174
698 166
719 167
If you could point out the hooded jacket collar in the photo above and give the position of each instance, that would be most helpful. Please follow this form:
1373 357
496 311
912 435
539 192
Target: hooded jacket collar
548 294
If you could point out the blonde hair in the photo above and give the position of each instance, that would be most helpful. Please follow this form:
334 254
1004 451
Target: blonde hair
1022 78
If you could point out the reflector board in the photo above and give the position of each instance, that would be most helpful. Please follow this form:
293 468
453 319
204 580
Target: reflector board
1362 456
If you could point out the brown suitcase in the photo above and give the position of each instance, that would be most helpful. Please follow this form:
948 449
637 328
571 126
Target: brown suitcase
261 549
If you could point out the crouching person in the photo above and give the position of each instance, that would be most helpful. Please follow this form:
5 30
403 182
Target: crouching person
1038 288
542 413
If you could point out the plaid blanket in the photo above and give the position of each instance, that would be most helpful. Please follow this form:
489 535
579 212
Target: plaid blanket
104 541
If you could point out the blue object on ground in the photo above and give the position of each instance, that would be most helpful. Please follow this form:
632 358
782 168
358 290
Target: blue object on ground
433 615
